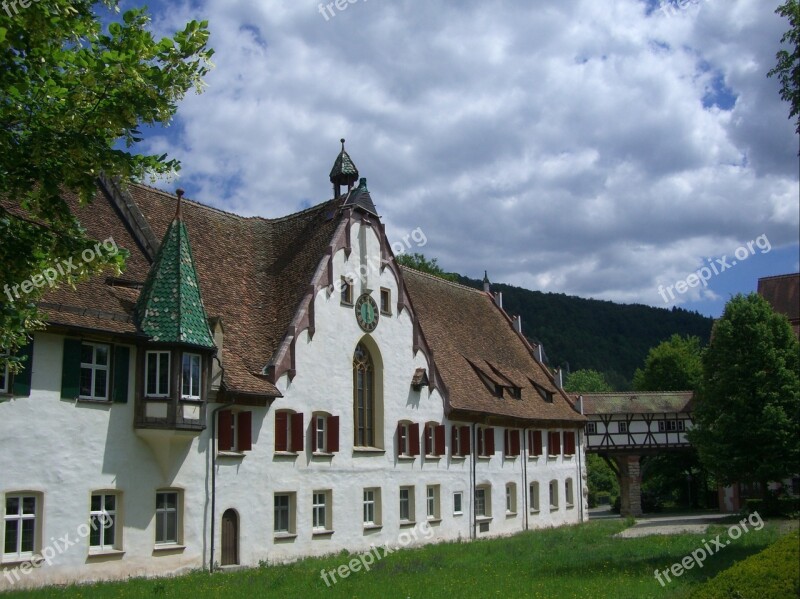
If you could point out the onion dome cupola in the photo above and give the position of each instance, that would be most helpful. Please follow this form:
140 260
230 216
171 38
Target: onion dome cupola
170 308
344 172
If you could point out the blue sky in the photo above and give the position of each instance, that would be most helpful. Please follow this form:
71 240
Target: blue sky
604 150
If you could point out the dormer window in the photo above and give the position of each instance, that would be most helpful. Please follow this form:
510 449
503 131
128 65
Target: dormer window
157 373
190 376
545 394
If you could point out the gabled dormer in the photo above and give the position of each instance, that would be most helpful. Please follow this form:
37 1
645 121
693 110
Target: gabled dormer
174 364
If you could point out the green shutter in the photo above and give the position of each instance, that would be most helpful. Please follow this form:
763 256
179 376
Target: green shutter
121 369
22 380
71 369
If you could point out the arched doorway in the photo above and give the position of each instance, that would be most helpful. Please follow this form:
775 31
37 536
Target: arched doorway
230 538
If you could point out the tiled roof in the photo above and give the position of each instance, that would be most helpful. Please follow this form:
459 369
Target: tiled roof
360 198
783 294
633 402
170 309
475 346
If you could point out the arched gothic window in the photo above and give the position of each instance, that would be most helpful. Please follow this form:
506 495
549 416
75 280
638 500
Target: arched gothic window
363 397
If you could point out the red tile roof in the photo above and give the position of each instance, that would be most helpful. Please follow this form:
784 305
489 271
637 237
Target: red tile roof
783 294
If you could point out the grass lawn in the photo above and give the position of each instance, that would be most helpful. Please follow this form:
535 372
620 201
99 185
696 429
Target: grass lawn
577 561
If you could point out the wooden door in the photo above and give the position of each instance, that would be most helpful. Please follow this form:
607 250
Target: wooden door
230 538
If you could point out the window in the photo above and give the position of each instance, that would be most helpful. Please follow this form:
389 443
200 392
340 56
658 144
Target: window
569 497
235 431
535 443
386 301
569 442
432 502
167 518
94 371
533 497
157 374
591 428
347 291
483 501
103 521
459 441
288 431
485 441
670 426
511 443
622 427
321 511
21 534
363 387
407 439
511 499
434 439
407 504
458 499
283 523
372 507
553 444
190 376
324 433
553 495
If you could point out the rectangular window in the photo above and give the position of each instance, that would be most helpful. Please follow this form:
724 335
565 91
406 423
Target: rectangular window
535 443
372 498
568 494
324 433
553 495
511 498
190 376
347 291
569 443
485 441
482 502
533 497
622 427
283 513
511 446
320 421
386 301
553 444
591 428
408 439
458 498
432 501
20 526
167 517
406 504
157 374
320 510
235 431
103 521
288 431
670 426
94 371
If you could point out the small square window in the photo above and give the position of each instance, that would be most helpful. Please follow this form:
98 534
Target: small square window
386 301
623 427
591 428
347 290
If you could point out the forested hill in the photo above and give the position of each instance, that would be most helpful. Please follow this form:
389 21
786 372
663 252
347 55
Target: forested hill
587 333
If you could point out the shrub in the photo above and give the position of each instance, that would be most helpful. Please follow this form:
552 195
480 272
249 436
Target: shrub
771 574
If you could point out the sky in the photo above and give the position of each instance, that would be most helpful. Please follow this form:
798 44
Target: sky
623 150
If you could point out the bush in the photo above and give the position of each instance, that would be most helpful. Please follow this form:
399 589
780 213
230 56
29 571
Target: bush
773 506
771 574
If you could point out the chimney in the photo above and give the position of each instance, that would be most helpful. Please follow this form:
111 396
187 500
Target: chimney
539 353
559 379
486 285
517 323
580 404
498 299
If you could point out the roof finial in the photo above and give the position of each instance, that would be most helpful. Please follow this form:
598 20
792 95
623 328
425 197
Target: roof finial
179 192
486 286
342 140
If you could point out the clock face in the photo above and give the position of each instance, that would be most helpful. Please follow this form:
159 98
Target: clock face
367 313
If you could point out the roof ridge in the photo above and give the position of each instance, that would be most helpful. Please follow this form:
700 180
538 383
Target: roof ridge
787 275
440 279
631 392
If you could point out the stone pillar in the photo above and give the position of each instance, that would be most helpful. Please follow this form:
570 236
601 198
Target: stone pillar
630 485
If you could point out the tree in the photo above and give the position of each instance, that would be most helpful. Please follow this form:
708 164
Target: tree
419 262
747 410
788 67
73 96
673 365
586 381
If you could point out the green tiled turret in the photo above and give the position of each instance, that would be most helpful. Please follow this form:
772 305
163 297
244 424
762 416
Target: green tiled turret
344 171
170 308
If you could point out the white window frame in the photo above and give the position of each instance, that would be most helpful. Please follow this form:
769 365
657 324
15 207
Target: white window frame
163 515
20 517
671 426
455 442
511 499
403 440
199 381
533 497
408 500
94 367
322 432
622 427
321 511
483 501
98 520
591 428
458 503
289 509
156 353
432 503
371 507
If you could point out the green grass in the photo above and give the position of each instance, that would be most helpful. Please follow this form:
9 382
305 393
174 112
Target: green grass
577 561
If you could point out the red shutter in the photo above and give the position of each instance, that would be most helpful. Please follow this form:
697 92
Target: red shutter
297 432
514 442
569 443
438 439
464 440
400 447
453 449
536 443
554 443
333 434
314 435
490 441
428 439
413 439
506 442
244 422
281 420
224 436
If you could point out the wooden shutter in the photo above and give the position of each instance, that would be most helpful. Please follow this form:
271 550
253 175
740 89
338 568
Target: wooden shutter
119 393
244 426
281 425
465 440
554 445
399 439
71 369
489 443
333 434
314 435
515 442
536 442
506 442
413 439
428 439
21 385
569 443
225 429
297 432
438 439
453 449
